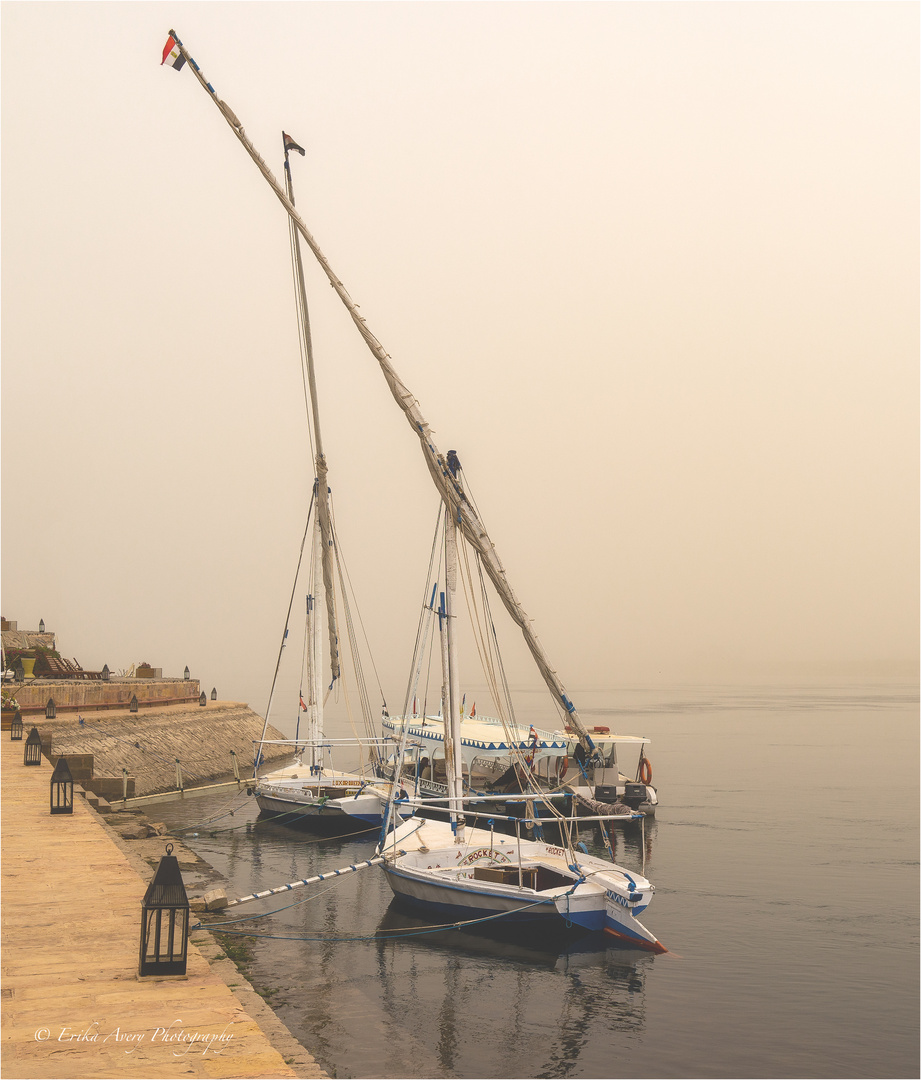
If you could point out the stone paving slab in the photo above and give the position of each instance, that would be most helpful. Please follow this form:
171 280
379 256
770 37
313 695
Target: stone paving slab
72 1005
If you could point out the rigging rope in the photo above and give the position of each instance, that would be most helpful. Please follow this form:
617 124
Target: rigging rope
446 483
284 636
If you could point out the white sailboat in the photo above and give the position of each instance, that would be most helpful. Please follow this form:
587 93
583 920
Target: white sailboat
309 791
456 871
449 867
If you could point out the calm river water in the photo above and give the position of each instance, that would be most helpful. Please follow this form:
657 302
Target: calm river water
785 857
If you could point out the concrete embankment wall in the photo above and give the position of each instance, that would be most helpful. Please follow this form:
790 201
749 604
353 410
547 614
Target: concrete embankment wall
32 695
147 743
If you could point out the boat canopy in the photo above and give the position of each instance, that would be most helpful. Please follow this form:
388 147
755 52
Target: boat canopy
487 733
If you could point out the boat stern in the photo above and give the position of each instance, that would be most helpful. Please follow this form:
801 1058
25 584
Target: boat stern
621 922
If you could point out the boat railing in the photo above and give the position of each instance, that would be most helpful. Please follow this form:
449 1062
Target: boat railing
434 785
491 816
323 742
490 765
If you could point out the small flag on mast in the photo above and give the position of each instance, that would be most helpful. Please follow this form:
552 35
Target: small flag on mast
172 56
303 703
291 145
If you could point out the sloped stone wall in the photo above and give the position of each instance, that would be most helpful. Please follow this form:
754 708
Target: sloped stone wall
148 743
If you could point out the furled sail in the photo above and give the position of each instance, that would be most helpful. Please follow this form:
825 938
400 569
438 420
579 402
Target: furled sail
322 493
449 487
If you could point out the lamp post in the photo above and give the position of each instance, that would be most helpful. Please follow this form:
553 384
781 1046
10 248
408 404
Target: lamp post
165 922
62 788
16 727
33 749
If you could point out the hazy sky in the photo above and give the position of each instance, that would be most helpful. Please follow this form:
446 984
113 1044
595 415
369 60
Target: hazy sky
652 269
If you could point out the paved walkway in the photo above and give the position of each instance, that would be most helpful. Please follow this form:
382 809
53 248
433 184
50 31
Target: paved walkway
72 1005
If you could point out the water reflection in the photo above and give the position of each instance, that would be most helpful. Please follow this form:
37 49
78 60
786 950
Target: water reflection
547 995
462 1004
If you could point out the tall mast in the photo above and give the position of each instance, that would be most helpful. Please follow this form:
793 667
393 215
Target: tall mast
450 680
322 485
314 665
449 487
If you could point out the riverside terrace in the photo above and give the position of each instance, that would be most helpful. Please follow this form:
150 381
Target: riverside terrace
72 1002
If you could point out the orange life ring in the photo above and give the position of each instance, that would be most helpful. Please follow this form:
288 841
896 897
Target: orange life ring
646 771
564 768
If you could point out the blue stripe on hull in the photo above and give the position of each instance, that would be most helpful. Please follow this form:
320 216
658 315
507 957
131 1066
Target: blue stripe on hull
587 920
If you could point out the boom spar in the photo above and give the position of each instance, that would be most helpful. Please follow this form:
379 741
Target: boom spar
448 486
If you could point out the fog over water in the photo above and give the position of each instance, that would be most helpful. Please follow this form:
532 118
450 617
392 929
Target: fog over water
651 269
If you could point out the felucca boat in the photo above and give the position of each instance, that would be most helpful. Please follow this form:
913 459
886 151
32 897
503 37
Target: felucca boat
451 868
310 791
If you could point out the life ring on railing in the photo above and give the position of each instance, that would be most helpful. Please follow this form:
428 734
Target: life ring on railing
564 767
646 771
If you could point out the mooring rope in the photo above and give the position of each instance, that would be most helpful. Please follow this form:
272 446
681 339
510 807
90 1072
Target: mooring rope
275 911
379 936
282 819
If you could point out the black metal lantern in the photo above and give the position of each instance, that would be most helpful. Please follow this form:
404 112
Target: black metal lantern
16 727
50 709
203 699
133 707
105 673
33 750
41 626
186 673
165 921
62 788
214 693
19 671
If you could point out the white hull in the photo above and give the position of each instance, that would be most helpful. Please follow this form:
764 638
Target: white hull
364 812
331 798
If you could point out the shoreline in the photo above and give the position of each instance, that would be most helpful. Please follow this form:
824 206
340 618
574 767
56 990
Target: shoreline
297 1056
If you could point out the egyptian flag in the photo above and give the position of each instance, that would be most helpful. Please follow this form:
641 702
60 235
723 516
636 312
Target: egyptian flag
473 711
172 57
291 145
303 703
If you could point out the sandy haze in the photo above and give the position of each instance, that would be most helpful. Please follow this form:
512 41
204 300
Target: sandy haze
651 269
